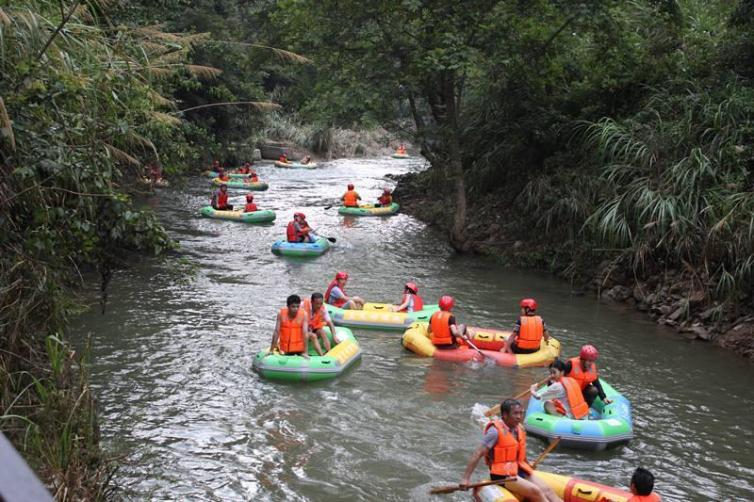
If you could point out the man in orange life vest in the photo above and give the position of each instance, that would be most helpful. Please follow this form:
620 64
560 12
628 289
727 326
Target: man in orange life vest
298 230
444 332
250 207
219 200
336 294
583 369
504 449
318 317
562 395
351 198
529 330
411 301
291 329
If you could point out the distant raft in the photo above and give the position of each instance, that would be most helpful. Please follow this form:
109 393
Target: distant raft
378 316
344 353
301 249
295 165
263 216
567 488
159 183
256 186
215 174
400 155
609 425
369 210
488 341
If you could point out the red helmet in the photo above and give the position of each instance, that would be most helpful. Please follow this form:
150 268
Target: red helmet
300 215
412 286
249 197
529 303
341 275
446 303
350 186
589 353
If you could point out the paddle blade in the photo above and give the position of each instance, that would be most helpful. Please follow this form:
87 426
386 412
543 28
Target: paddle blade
327 207
444 489
332 239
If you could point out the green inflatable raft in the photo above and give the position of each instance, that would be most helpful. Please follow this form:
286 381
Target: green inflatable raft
379 316
264 216
369 210
295 165
257 186
344 353
301 249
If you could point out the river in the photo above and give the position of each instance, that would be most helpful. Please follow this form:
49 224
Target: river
171 366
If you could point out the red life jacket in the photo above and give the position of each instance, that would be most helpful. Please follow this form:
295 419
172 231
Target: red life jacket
652 497
283 158
254 178
243 170
222 198
316 319
250 208
584 378
292 233
418 302
531 332
385 200
351 199
292 336
439 328
579 408
508 454
339 302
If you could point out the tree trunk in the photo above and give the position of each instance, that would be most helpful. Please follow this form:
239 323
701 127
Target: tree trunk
455 163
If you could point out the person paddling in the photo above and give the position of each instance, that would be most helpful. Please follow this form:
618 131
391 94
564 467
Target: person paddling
583 369
250 207
336 294
562 395
351 198
444 331
528 332
504 450
219 200
291 328
318 318
411 301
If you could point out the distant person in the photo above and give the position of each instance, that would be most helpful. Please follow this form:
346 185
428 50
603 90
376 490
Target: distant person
411 301
528 332
306 160
642 484
155 172
222 175
283 158
250 207
252 178
318 318
290 332
298 229
504 449
401 150
583 369
219 200
336 294
385 199
351 198
562 395
215 166
444 331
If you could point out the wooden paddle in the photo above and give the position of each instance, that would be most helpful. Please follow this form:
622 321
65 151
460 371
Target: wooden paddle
496 409
544 453
440 490
468 340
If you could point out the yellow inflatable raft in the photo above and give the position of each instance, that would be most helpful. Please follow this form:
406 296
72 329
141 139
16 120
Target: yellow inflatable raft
568 488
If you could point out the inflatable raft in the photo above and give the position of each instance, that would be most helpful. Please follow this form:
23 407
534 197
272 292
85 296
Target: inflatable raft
215 174
378 316
253 217
258 186
609 425
568 488
345 351
400 156
296 165
369 210
160 183
301 249
488 341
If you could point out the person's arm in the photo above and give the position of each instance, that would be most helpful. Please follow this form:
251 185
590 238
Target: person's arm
601 392
358 197
478 454
404 303
568 368
454 328
545 332
328 321
275 334
554 391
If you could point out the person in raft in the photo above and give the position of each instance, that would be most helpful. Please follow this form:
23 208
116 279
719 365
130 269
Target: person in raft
411 301
306 160
155 172
250 207
385 199
336 294
245 168
504 449
562 395
528 331
219 200
215 166
583 369
642 484
318 318
298 229
444 332
401 150
283 158
351 198
291 329
222 175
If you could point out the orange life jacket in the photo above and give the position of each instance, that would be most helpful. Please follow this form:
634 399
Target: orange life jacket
584 378
652 497
508 454
254 178
385 200
292 336
531 332
224 177
439 328
243 170
250 208
316 319
222 198
339 302
579 408
351 199
292 233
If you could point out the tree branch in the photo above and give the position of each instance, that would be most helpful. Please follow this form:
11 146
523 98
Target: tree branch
60 27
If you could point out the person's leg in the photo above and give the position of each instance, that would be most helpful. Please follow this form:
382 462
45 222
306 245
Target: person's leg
552 409
525 489
325 340
547 492
590 394
508 348
315 341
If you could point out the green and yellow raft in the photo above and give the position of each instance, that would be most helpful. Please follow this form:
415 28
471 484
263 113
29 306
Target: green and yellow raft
344 353
263 216
400 155
369 210
295 165
257 186
379 316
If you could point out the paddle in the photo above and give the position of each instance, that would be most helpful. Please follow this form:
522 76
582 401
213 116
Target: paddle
496 409
544 453
440 490
468 340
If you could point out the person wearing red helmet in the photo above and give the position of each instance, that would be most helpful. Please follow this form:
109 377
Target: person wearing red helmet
529 330
250 207
283 158
219 200
444 331
411 301
583 369
385 199
351 198
298 229
335 294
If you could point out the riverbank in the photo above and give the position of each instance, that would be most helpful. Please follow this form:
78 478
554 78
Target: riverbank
671 297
